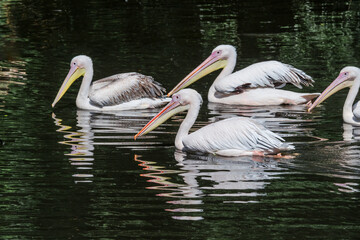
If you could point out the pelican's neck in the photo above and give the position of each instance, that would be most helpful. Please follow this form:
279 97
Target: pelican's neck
84 90
186 125
227 70
348 114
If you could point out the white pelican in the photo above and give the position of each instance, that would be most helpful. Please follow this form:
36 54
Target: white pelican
236 136
348 77
255 85
118 92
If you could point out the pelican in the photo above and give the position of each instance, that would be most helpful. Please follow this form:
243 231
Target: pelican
236 136
118 92
348 77
254 85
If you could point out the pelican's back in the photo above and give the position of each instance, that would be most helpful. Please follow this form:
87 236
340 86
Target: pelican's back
234 133
125 87
264 74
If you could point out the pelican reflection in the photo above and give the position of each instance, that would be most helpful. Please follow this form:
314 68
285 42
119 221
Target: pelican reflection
199 177
351 132
95 128
81 154
237 175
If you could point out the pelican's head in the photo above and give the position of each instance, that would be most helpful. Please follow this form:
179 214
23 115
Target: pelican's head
78 67
218 59
345 79
180 102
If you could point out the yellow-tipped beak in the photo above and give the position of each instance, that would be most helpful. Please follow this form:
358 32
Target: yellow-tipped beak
172 108
211 64
74 73
339 83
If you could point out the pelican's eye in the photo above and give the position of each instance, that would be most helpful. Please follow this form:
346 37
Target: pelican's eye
346 73
218 52
176 98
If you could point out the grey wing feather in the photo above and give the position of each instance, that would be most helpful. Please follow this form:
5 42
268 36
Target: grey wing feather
124 87
233 133
264 74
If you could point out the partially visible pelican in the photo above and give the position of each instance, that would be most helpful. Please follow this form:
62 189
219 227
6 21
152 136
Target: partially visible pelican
348 77
254 85
118 92
230 137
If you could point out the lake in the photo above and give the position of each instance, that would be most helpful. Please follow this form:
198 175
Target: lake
67 173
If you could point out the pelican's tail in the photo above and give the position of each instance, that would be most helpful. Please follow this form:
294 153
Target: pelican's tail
304 79
310 97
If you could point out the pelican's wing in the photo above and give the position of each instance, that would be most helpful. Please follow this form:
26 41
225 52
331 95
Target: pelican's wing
233 133
356 110
263 74
124 87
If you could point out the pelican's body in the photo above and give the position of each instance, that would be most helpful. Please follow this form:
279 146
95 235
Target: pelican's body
118 92
230 137
348 77
254 85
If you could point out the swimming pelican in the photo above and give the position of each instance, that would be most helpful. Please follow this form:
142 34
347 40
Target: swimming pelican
236 136
118 92
348 77
254 85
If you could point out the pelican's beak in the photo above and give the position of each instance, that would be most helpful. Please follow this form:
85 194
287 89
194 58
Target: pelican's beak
211 64
339 83
74 73
169 110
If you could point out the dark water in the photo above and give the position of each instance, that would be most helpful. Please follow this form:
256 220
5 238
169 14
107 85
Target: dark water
73 174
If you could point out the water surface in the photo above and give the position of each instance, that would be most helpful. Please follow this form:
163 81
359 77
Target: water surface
71 173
